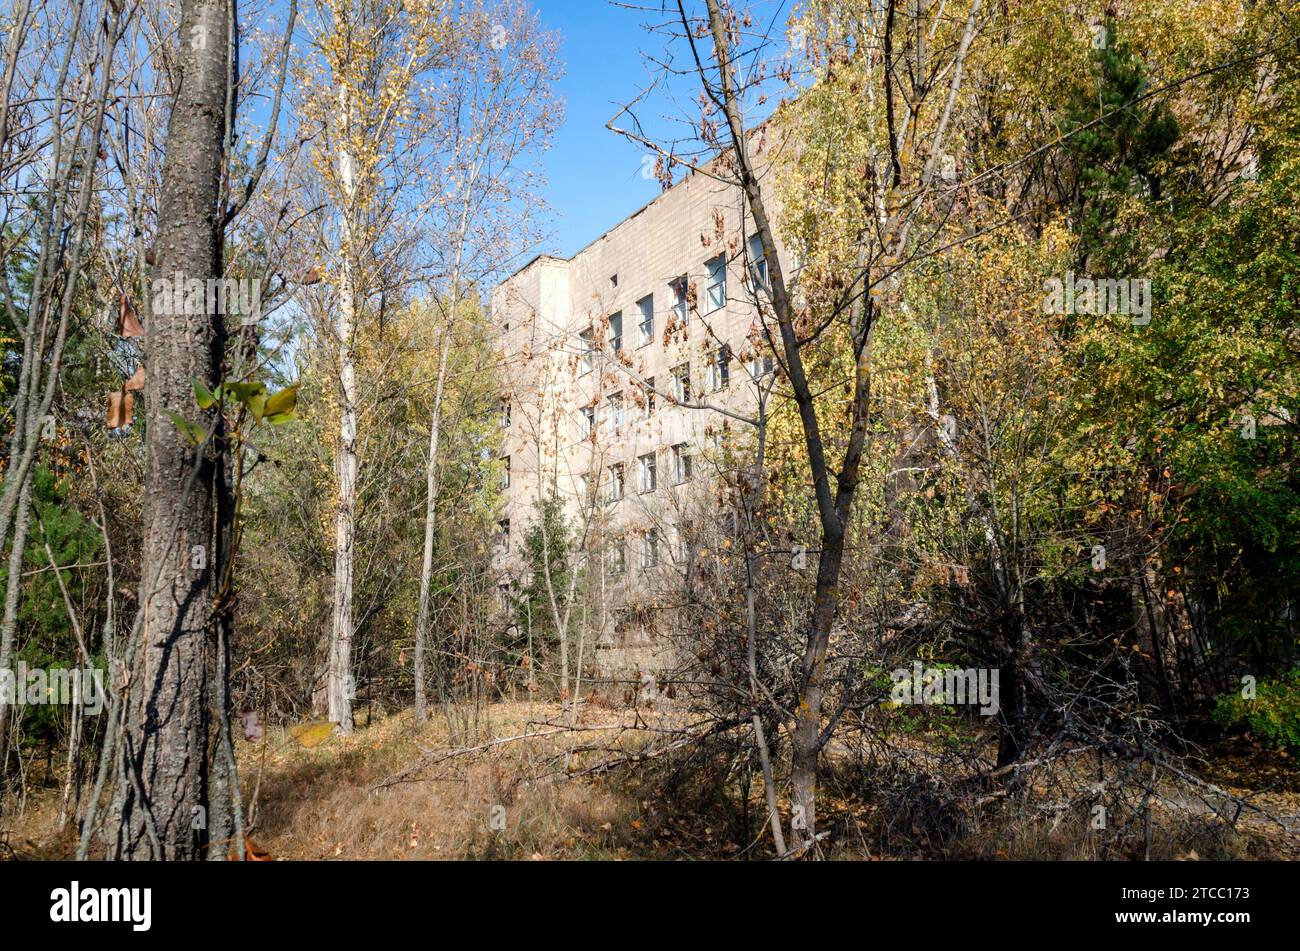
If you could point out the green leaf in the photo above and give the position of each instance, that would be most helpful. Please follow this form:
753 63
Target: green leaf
284 402
245 392
203 395
192 431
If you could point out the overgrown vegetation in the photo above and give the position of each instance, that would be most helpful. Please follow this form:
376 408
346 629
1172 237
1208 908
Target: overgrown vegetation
1019 399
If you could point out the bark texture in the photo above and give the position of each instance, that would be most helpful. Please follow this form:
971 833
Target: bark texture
165 802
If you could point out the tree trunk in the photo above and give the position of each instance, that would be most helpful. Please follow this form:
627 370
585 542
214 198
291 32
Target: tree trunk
63 243
1013 692
340 671
430 516
1151 624
22 518
834 505
806 736
164 810
340 689
760 738
72 767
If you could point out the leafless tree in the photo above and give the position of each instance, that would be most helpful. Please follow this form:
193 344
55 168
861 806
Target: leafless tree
897 183
58 75
500 114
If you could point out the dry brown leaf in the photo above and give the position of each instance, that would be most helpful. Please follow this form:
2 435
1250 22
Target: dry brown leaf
121 409
128 322
114 419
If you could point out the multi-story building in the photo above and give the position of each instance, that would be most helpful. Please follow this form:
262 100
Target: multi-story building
616 363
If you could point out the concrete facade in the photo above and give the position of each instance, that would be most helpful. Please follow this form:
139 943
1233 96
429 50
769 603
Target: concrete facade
604 355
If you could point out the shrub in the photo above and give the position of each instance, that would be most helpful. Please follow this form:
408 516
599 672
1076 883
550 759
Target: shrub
1274 713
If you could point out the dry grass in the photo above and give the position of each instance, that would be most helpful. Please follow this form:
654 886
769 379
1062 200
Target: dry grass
397 790
504 801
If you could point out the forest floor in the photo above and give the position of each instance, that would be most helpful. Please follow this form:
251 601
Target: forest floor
523 783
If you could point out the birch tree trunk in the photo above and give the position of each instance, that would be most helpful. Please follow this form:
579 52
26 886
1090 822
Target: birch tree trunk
340 670
340 689
345 533
431 467
430 517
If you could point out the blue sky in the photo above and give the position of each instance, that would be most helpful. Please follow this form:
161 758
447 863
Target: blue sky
594 175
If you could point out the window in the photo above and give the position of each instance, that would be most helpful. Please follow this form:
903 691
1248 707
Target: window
587 348
505 412
613 281
648 398
650 549
617 557
617 480
503 533
681 463
584 487
720 368
616 332
616 416
679 289
646 326
588 423
757 261
505 472
648 480
715 287
682 382
761 366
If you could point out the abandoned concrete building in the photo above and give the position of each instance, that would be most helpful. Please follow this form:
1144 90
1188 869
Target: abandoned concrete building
617 362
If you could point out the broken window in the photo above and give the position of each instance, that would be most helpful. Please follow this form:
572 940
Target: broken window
679 289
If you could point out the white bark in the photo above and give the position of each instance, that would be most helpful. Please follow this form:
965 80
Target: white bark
340 688
430 519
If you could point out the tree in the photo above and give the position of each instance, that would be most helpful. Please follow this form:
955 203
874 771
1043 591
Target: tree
168 740
897 163
65 139
500 113
370 117
167 748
